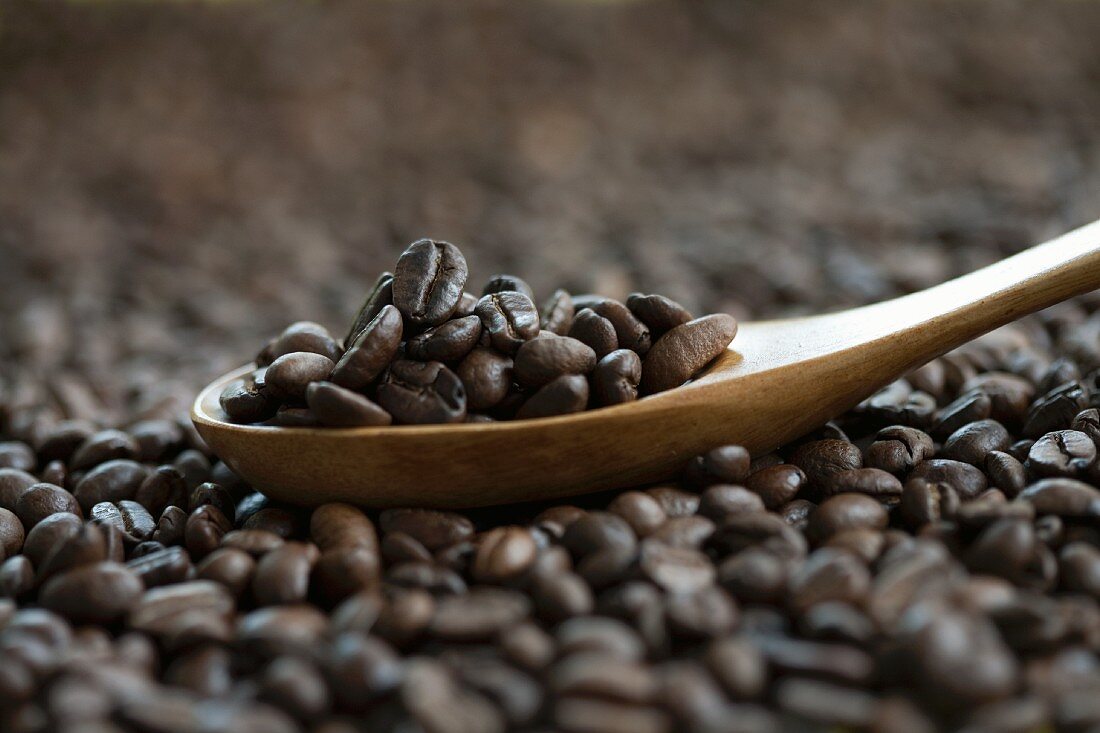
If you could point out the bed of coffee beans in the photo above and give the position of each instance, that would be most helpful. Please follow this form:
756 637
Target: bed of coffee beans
929 561
423 350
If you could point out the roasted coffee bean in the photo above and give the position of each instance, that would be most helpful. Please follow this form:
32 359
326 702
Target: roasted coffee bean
720 501
970 407
428 281
681 352
561 396
279 520
41 538
378 298
676 569
873 482
340 573
304 336
41 501
17 455
777 485
728 464
336 526
1079 568
541 360
658 313
503 554
845 511
967 480
11 533
16 577
556 315
1009 394
256 542
598 531
597 332
13 484
170 565
449 341
1064 453
898 449
171 526
194 466
487 377
88 545
509 318
98 593
738 666
277 630
131 519
1061 497
110 481
630 332
204 530
245 401
1054 410
1006 473
821 459
972 442
229 567
162 488
214 495
640 510
339 407
507 283
290 374
367 356
417 393
296 686
616 377
926 502
282 575
101 447
433 529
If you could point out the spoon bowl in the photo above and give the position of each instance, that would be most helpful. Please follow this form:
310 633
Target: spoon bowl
777 381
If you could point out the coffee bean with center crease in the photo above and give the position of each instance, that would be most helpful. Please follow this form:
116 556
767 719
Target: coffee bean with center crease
245 401
42 500
164 567
503 554
972 442
543 359
630 332
290 374
681 352
594 330
111 481
1006 473
380 295
616 378
926 502
162 488
487 377
968 408
204 530
556 315
507 283
41 538
422 392
282 575
1054 410
898 448
820 459
339 407
170 526
373 348
659 313
1063 453
428 281
1066 498
14 483
561 396
128 517
449 341
777 485
301 336
510 318
967 480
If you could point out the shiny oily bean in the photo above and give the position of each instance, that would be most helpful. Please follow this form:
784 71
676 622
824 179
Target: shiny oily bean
845 511
339 407
131 519
630 332
873 482
380 295
597 332
967 480
506 283
428 281
290 374
658 313
170 526
968 408
42 500
343 572
972 442
111 481
103 446
564 395
421 393
170 565
641 511
616 378
821 459
721 500
162 488
11 533
449 341
777 485
487 377
1063 453
510 319
205 528
14 483
86 546
556 315
302 336
245 401
503 553
229 567
371 351
543 359
898 449
681 352
1006 473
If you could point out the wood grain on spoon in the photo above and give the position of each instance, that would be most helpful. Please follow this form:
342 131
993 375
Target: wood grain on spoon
777 381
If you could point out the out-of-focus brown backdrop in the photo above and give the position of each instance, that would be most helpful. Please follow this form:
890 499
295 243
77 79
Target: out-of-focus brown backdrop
179 180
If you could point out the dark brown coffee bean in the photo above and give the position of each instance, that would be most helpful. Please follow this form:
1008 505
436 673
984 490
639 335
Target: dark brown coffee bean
1088 422
640 510
434 529
170 565
510 319
680 353
828 575
874 482
215 495
564 395
597 531
676 569
1006 473
960 659
282 575
898 449
600 676
597 332
449 341
275 630
204 530
543 359
968 408
230 567
825 704
418 393
245 401
1079 568
335 526
727 464
487 376
13 484
973 441
657 312
720 501
820 459
280 520
616 378
739 532
88 545
339 407
290 374
630 333
11 533
194 466
256 542
685 532
372 350
16 577
1064 453
1010 395
777 485
428 281
1061 497
343 572
99 593
378 298
43 536
162 488
1055 410
478 614
738 666
556 315
296 686
171 526
845 511
42 500
967 480
111 481
507 283
304 336
503 553
926 502
17 455
103 446
560 596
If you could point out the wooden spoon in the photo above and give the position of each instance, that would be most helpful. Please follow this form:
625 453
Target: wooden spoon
777 381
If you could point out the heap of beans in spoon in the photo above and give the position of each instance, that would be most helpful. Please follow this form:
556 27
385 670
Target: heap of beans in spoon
424 350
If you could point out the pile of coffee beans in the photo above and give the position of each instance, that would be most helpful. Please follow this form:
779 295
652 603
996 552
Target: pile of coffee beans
929 561
423 350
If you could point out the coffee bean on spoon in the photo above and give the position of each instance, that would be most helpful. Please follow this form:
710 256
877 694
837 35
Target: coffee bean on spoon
428 282
506 283
301 336
379 297
449 341
339 407
487 377
561 396
659 313
682 352
290 374
374 347
422 392
244 401
616 378
556 315
510 318
543 359
630 332
593 329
